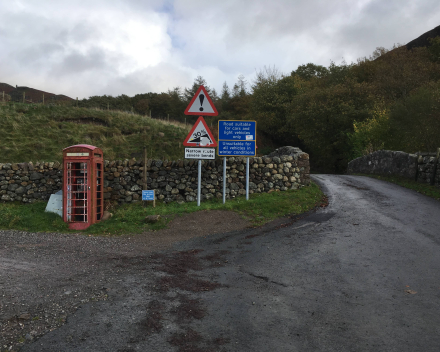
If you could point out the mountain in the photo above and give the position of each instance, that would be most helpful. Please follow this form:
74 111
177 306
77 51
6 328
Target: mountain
31 95
423 40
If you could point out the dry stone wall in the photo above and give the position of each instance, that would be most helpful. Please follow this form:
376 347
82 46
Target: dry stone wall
422 167
172 180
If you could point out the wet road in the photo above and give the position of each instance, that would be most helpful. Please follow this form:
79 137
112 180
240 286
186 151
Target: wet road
362 274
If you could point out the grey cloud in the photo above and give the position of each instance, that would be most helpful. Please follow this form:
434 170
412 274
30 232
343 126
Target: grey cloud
38 54
78 63
81 32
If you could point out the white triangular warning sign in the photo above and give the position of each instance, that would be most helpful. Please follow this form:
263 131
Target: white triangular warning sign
200 135
201 104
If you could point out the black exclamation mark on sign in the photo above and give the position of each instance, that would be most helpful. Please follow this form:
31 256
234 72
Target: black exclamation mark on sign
201 98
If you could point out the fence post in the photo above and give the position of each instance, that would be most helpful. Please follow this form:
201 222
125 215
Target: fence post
434 169
43 98
24 95
76 101
3 96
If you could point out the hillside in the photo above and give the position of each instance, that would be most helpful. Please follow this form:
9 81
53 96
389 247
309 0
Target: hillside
423 40
39 133
31 95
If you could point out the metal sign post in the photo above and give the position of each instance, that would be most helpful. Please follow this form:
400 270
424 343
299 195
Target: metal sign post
247 178
224 180
199 183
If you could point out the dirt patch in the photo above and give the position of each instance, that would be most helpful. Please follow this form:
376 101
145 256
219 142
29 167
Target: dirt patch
199 224
189 309
153 319
44 277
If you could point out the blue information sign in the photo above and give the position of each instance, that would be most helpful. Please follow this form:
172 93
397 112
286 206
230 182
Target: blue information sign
237 138
148 195
237 130
236 148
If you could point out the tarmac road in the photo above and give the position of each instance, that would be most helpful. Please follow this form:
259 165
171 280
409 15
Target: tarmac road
362 274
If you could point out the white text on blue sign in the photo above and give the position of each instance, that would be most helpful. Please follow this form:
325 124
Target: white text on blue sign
237 130
147 194
236 148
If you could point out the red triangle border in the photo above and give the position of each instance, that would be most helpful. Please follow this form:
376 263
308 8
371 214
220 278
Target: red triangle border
185 142
215 113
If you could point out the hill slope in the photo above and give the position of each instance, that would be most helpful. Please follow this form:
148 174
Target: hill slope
40 132
31 94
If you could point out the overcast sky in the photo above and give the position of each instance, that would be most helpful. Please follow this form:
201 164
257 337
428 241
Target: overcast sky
96 47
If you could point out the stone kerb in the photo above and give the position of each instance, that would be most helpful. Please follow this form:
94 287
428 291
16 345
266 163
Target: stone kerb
171 180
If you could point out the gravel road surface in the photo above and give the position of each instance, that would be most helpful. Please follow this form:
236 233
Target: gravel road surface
359 275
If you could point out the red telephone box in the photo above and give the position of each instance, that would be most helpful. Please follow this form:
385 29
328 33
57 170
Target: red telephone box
83 186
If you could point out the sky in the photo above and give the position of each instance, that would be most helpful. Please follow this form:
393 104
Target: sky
113 47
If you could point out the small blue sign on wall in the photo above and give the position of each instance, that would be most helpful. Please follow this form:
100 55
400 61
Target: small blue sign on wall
148 195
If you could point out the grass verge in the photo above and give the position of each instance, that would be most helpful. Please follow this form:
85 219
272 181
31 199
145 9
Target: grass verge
423 188
129 218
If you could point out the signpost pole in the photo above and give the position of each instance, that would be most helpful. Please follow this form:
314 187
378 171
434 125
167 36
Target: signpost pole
247 178
145 186
224 180
199 182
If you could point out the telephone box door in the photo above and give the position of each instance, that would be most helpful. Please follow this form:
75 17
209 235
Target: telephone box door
78 195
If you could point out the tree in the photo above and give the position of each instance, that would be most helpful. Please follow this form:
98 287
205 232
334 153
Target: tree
434 49
270 105
239 89
310 71
323 117
190 92
372 134
142 107
415 120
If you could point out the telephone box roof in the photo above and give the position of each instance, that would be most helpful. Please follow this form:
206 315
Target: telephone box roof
87 146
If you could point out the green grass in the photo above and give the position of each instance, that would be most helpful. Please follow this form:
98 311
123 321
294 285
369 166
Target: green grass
423 188
40 133
129 218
